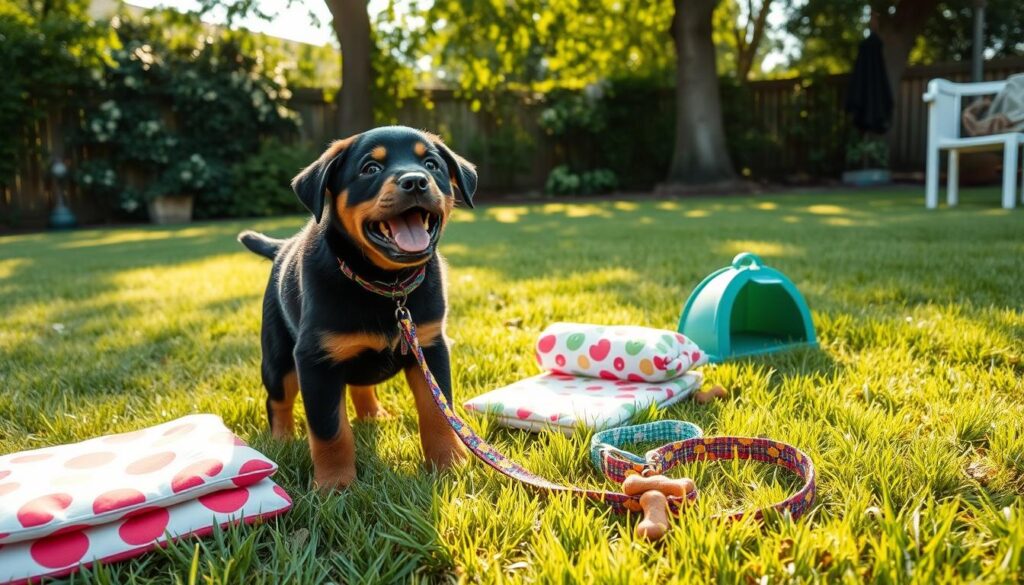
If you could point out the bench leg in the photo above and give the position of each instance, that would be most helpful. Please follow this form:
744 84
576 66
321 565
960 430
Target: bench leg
1022 187
931 183
953 178
1009 176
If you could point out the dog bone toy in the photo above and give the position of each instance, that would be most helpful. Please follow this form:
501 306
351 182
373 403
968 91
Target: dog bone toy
637 484
655 522
706 396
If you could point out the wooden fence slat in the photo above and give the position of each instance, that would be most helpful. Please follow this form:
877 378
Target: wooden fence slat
27 200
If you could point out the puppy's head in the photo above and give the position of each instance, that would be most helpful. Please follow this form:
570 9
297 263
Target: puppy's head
390 191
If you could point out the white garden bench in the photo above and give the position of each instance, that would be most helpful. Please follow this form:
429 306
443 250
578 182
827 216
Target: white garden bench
944 110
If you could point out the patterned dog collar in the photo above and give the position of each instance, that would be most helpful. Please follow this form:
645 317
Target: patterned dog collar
395 290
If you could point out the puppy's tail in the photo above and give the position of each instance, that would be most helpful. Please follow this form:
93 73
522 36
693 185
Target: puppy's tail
260 244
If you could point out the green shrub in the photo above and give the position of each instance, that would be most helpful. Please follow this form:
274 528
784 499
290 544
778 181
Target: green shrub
46 52
613 133
867 151
262 181
180 108
562 181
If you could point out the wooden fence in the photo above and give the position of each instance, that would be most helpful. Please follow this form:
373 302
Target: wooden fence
800 126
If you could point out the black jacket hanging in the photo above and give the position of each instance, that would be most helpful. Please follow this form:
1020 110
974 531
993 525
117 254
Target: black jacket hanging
869 97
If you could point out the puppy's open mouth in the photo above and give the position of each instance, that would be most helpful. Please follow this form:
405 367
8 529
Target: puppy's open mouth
410 233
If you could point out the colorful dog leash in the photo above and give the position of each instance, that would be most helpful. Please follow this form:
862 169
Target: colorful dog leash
686 444
617 464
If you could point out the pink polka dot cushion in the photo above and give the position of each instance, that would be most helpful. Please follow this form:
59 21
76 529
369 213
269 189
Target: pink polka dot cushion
48 491
73 546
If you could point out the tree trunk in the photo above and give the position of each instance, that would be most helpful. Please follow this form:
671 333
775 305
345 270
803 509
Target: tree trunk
351 24
899 32
700 155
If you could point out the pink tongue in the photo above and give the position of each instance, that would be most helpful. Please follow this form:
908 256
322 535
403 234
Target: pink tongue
409 233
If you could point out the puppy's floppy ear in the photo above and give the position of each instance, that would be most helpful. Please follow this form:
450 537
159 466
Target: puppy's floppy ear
314 180
462 171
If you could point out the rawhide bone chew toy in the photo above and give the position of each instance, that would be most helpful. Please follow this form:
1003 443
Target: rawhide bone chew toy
706 396
636 484
653 490
655 522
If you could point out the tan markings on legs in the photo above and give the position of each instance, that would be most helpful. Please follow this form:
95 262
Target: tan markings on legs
344 346
364 398
441 447
334 460
282 420
428 333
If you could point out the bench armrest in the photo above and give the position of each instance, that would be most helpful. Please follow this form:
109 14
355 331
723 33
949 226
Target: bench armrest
937 86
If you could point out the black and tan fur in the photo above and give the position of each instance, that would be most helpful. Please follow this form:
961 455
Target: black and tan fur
322 333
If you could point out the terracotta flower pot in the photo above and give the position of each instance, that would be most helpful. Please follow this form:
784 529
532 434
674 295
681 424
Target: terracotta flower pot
170 209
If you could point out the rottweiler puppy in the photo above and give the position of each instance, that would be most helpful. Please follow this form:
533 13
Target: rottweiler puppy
380 202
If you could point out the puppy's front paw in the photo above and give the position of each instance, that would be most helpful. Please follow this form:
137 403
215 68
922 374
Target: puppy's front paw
331 480
444 452
282 429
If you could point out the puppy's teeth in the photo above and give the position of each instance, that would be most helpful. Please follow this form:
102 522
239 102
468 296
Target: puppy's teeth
426 224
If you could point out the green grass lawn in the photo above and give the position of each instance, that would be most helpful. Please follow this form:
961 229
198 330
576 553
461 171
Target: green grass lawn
913 409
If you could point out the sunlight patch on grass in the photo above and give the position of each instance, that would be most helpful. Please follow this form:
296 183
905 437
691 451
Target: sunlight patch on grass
840 222
507 214
763 249
9 266
826 209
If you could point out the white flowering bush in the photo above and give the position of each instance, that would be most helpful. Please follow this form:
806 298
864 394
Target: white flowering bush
178 109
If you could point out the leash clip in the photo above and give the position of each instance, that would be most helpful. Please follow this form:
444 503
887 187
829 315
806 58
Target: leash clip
654 465
402 314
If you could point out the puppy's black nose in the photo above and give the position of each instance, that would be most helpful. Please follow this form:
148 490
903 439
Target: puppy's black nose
413 183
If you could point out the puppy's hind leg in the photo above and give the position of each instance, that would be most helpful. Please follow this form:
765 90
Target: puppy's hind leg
278 370
280 405
364 398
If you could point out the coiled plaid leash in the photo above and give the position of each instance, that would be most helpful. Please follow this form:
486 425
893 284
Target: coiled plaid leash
617 467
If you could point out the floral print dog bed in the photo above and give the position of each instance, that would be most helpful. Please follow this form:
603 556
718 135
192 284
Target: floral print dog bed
596 377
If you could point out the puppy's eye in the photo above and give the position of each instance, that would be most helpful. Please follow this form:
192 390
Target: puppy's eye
431 164
371 168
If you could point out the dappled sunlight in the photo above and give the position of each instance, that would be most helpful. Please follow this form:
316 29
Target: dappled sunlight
462 215
697 213
765 250
224 275
843 222
766 206
9 266
507 214
128 236
576 210
625 206
997 212
823 209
